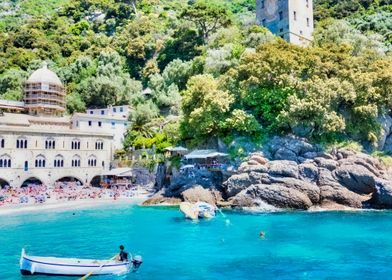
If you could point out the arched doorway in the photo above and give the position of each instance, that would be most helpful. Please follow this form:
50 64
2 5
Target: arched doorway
3 183
32 181
96 181
70 180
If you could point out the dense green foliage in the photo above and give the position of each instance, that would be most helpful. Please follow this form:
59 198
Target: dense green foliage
192 70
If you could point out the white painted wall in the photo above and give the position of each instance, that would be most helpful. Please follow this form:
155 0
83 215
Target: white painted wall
16 175
115 127
120 111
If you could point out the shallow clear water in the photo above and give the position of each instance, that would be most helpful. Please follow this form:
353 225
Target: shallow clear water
297 245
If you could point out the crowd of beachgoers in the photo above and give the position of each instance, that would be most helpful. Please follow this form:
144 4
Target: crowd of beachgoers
62 192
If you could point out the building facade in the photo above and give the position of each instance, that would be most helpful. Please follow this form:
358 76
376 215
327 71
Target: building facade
290 19
42 145
112 120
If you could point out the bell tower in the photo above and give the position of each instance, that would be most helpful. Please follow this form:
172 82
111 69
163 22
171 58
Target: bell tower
290 19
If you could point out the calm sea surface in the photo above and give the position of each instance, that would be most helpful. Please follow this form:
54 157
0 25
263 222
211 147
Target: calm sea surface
297 245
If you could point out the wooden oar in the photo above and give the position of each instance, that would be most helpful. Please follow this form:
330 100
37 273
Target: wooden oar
99 268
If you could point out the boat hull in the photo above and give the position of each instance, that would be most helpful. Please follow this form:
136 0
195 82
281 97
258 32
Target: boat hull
198 210
31 265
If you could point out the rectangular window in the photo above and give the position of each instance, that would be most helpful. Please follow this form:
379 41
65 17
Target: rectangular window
113 123
121 109
295 15
280 15
264 22
114 110
90 123
307 3
77 123
99 124
300 32
281 30
91 112
262 4
308 22
102 112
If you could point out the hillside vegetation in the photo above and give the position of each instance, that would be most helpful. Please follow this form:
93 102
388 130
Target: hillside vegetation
211 70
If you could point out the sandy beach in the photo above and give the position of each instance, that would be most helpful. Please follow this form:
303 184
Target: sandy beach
68 205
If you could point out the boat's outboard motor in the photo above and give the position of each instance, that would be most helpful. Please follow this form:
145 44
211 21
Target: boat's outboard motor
137 261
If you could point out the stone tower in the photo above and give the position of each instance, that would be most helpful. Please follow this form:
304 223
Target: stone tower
290 19
44 93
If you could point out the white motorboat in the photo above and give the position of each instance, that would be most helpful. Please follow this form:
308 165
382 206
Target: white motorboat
32 265
198 210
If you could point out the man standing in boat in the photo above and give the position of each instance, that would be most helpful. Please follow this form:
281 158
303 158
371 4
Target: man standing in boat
122 256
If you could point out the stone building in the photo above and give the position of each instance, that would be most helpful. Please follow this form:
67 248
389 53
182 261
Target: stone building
113 120
290 19
42 145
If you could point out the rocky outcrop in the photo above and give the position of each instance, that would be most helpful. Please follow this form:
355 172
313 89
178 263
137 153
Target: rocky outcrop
290 173
160 199
284 168
342 196
236 184
299 175
356 178
276 195
198 193
383 194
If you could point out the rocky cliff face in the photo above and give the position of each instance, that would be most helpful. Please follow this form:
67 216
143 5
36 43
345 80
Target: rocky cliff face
298 175
291 173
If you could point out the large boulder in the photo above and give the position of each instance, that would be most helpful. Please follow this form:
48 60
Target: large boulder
342 195
283 168
287 147
160 199
356 178
329 164
308 172
252 168
258 158
309 189
326 178
198 193
382 198
237 183
278 196
285 154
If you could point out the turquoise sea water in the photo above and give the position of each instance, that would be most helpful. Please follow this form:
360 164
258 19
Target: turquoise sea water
297 245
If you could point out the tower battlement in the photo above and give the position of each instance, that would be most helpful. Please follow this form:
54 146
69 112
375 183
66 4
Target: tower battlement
290 19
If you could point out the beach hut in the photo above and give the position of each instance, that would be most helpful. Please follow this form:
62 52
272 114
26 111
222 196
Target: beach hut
117 177
175 151
206 158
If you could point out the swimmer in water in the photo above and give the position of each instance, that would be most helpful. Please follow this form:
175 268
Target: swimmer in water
262 234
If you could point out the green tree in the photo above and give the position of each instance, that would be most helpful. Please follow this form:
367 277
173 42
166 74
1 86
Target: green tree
208 16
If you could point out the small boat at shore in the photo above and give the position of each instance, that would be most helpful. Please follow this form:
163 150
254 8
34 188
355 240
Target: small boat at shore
198 210
33 265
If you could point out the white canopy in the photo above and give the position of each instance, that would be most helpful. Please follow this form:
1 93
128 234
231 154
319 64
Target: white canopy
203 154
119 172
178 149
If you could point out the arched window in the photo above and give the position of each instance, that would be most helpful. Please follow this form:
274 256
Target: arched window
21 143
5 161
75 145
92 161
40 161
50 144
75 161
58 161
99 145
2 142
